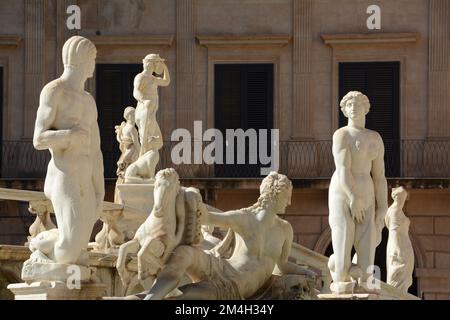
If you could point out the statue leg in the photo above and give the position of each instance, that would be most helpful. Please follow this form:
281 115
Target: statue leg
342 234
197 291
129 247
72 218
184 258
365 238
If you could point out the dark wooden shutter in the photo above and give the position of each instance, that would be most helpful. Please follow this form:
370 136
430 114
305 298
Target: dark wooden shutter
243 100
114 93
1 118
379 81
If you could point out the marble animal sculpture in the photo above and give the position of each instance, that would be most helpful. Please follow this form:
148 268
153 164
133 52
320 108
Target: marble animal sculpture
43 222
399 251
128 138
261 240
146 85
174 220
142 171
357 194
66 124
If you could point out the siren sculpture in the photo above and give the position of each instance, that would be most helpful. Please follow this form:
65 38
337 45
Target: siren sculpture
399 252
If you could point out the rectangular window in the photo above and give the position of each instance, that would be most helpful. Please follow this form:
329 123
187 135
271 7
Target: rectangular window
1 118
243 100
380 82
114 91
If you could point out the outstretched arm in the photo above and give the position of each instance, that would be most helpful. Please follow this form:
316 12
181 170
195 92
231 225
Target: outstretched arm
44 136
233 219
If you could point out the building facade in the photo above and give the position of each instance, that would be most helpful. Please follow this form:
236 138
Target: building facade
262 64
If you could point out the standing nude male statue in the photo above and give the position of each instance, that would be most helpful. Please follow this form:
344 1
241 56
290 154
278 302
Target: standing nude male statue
145 92
357 194
66 124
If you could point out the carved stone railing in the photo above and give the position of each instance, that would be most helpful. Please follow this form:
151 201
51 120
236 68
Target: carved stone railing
298 159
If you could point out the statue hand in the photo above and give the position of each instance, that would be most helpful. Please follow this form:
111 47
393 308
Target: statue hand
357 209
379 218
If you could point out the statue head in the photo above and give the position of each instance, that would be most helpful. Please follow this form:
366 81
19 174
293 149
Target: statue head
128 114
399 194
355 105
167 183
277 189
79 53
152 63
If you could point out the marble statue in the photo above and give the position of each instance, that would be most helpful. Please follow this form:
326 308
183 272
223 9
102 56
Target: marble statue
357 194
66 124
128 138
146 85
262 241
142 171
399 251
43 222
174 220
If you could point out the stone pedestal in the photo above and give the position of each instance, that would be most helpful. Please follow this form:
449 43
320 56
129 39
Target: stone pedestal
35 271
349 296
137 196
56 290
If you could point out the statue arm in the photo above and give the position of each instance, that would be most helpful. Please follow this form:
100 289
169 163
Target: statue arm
135 138
97 174
165 80
230 219
380 184
44 137
137 91
342 159
283 264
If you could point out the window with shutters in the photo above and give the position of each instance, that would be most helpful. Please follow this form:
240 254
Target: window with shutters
1 115
114 91
243 100
380 82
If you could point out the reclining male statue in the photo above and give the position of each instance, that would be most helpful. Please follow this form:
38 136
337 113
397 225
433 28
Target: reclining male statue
262 241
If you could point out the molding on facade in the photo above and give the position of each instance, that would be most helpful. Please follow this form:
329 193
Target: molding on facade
141 40
301 126
438 73
403 38
186 25
34 60
10 40
244 40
